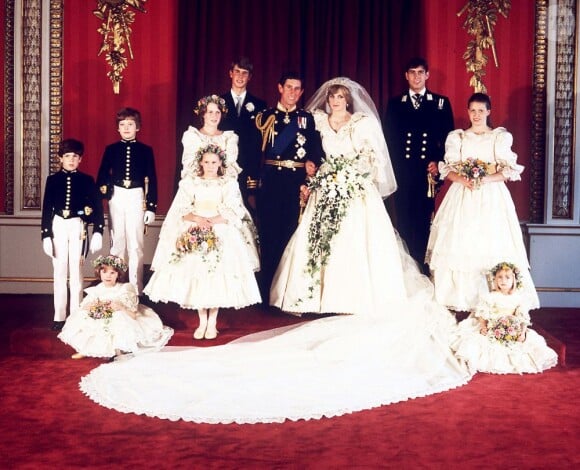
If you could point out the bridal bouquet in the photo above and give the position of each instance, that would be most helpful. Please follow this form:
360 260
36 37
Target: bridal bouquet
101 309
505 330
202 241
336 184
473 169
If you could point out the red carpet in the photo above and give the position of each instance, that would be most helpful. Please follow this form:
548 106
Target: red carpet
509 421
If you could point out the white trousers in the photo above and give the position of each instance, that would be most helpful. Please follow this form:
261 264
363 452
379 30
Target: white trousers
68 245
126 213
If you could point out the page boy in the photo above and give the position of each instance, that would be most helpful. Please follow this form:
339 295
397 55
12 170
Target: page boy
128 180
71 200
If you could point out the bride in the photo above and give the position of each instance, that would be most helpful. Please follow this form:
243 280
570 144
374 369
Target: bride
394 347
344 256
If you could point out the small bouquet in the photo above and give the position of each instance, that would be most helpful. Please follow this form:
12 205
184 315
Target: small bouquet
505 330
473 169
101 310
198 240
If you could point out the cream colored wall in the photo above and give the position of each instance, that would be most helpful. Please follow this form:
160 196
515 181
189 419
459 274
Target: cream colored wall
25 269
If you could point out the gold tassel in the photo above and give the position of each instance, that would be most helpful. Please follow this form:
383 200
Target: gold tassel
430 186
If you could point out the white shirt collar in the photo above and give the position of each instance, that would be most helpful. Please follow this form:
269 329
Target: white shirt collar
422 92
235 97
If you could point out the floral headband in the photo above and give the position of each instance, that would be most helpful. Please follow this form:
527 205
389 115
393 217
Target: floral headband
203 102
110 260
505 266
211 148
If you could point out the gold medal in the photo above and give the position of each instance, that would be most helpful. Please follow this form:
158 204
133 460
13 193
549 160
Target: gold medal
127 183
65 213
286 119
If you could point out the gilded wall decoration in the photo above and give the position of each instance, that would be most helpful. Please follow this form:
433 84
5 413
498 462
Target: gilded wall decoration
481 18
31 110
539 91
8 108
563 172
117 17
55 80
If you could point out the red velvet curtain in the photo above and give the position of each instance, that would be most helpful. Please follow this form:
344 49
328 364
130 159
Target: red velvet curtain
365 40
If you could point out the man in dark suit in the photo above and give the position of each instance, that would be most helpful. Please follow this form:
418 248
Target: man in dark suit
292 149
416 126
241 118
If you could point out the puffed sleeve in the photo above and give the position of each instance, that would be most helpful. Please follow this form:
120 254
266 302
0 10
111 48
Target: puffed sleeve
484 307
88 299
231 207
368 141
184 198
452 153
128 297
191 142
232 149
365 144
505 157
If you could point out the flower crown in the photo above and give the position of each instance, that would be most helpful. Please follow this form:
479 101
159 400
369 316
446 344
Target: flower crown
110 260
203 102
211 148
504 265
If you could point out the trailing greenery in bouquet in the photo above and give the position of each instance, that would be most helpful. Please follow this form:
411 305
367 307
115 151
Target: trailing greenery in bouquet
336 183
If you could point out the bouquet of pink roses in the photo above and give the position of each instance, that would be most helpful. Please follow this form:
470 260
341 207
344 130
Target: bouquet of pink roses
505 330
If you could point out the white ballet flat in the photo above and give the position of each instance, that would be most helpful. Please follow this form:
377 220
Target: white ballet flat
211 333
199 332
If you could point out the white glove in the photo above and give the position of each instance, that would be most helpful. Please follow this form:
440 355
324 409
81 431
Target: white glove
96 242
47 246
149 217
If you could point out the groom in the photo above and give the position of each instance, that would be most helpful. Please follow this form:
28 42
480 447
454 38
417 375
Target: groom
292 149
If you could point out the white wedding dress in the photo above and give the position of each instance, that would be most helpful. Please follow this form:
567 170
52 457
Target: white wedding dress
363 275
323 368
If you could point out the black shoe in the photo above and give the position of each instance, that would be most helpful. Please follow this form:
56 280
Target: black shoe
57 325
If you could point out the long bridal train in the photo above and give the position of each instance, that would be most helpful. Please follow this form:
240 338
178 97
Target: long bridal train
326 367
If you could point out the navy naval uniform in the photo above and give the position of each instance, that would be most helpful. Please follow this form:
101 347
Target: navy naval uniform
415 137
127 178
289 139
71 200
244 125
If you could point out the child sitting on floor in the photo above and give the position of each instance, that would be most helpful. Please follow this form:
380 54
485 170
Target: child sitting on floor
110 320
496 337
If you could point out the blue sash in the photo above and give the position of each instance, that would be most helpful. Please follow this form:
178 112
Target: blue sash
284 139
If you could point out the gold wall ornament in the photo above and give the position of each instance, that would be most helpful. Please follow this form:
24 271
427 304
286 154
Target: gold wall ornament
117 16
480 20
